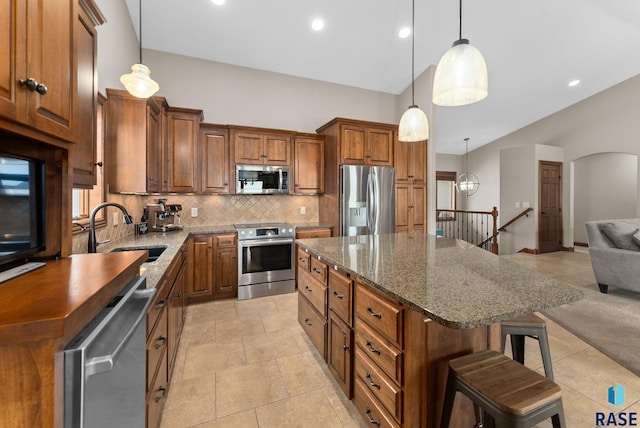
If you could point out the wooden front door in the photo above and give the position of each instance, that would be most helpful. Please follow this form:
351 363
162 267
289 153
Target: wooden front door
550 207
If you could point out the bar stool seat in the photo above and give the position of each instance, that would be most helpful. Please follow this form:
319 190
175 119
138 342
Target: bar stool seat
527 326
510 394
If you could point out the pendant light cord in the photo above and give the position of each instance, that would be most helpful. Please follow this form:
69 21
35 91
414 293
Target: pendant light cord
466 157
413 38
460 21
140 18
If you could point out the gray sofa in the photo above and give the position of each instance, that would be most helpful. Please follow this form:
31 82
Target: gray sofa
614 248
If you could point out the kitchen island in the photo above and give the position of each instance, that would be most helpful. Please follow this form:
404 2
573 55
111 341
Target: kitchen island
445 297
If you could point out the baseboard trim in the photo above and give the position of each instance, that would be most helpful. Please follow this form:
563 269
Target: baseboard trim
580 244
529 251
569 249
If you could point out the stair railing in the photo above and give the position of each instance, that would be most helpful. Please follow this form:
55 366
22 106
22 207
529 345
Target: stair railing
476 227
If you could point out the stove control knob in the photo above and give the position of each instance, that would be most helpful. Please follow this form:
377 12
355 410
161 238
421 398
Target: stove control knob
251 232
291 230
242 233
284 230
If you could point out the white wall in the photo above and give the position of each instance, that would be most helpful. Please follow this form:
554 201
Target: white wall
602 185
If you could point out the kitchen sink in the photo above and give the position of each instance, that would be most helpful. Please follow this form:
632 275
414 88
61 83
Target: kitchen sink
154 251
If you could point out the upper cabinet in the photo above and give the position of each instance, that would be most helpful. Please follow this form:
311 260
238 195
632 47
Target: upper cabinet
46 71
133 140
261 147
182 136
214 159
359 142
308 174
411 162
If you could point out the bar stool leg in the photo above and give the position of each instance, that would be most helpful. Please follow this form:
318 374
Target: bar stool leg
517 347
449 398
557 420
546 355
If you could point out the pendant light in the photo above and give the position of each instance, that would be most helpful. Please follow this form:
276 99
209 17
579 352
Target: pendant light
467 183
139 83
461 75
414 125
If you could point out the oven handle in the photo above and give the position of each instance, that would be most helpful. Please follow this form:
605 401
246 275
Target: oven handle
264 242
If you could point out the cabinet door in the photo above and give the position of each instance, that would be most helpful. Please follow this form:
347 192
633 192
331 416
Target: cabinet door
402 207
200 278
277 149
183 129
379 148
12 60
154 149
214 161
339 352
50 61
417 207
248 148
84 152
309 166
353 145
226 272
402 161
417 162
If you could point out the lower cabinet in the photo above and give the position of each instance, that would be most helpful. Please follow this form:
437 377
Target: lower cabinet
165 319
213 267
340 351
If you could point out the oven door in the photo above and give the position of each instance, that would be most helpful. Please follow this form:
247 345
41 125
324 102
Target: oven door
265 260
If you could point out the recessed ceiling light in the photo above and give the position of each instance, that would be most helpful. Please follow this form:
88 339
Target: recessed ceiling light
317 24
404 32
575 82
218 2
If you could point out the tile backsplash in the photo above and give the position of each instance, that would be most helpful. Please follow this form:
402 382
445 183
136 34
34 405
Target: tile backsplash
212 210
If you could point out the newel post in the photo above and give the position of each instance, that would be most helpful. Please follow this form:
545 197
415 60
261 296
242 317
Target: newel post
494 240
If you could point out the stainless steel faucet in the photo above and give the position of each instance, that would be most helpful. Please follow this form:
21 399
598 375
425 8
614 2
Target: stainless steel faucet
92 244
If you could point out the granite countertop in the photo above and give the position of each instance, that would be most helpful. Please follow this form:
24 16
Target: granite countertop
173 240
450 281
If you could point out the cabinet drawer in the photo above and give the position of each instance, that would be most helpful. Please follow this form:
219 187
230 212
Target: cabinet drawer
157 396
382 314
341 295
304 260
380 351
314 291
156 345
313 233
379 385
319 270
373 413
225 241
159 302
314 325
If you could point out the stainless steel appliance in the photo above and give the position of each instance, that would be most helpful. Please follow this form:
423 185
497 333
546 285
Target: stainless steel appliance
266 259
105 364
262 179
367 200
163 217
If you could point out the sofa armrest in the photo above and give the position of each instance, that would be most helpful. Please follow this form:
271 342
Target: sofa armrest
616 267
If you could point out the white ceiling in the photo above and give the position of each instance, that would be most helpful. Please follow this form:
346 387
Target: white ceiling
532 49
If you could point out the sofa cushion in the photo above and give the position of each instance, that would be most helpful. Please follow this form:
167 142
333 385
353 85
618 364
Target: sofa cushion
621 235
636 237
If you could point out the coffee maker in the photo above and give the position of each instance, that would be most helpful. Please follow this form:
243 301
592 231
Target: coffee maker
163 217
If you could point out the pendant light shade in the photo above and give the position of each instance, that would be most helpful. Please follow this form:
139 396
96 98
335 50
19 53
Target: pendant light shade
467 183
461 76
414 125
139 83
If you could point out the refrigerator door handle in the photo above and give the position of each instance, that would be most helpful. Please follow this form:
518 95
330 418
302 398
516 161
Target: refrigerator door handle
376 203
370 204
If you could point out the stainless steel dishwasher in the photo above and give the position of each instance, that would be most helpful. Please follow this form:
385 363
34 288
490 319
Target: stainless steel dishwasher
105 364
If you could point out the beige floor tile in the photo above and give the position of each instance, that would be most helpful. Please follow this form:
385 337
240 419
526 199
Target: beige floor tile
287 302
239 420
256 307
213 357
579 410
270 345
190 402
303 372
311 409
284 318
249 387
234 329
198 332
344 408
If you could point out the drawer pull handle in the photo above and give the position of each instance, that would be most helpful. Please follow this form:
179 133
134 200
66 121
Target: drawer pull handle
161 304
371 382
373 314
316 270
163 390
371 420
306 287
307 321
302 259
345 348
160 342
338 296
372 349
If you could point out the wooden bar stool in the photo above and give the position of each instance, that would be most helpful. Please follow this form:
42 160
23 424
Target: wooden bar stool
532 326
510 394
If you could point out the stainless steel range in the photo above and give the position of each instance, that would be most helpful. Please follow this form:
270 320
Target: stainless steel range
266 259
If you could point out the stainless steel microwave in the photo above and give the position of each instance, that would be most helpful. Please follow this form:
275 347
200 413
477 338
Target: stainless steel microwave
262 179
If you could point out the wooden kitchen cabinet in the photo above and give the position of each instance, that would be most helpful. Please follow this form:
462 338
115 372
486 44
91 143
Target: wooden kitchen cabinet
308 175
362 143
182 137
225 266
200 268
411 162
214 159
176 305
133 140
315 232
410 207
261 147
340 348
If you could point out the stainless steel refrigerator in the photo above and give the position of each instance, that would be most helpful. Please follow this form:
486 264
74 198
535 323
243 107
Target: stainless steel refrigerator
367 200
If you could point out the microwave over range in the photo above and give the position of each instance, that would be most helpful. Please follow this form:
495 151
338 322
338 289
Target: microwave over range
262 179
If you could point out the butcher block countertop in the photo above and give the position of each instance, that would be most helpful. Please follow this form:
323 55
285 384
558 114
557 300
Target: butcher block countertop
450 281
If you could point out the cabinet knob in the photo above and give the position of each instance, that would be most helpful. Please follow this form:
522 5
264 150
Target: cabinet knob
33 85
98 164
